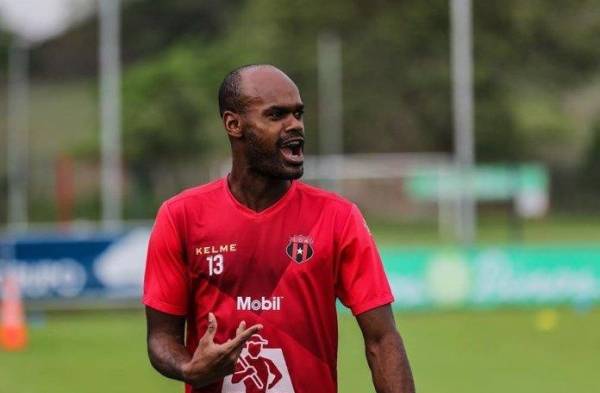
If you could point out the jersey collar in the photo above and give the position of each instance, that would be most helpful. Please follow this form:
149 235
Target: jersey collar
278 205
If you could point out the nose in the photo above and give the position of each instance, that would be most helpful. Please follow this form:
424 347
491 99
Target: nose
294 124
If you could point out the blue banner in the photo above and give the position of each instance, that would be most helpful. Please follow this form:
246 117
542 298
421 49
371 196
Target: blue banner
58 267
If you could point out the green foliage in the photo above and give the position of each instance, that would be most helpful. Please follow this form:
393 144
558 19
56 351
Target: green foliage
165 108
590 174
396 68
536 79
396 76
4 44
169 121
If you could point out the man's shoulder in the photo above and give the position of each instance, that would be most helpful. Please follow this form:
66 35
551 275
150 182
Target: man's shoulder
324 198
197 194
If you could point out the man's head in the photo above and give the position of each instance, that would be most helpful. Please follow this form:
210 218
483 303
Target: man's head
262 113
255 344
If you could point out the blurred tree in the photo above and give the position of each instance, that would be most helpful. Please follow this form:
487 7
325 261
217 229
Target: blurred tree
147 28
397 89
396 66
590 174
395 70
168 103
4 43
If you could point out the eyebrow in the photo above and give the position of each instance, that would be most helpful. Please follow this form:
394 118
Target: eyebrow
285 108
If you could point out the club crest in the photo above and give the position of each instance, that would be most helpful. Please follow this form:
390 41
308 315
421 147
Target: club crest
300 248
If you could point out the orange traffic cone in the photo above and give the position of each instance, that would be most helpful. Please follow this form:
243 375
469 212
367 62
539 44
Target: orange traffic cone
13 330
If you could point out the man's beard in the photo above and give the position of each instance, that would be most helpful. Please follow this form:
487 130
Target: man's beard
267 161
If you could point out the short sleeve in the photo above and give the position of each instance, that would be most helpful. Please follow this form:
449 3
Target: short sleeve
361 280
166 284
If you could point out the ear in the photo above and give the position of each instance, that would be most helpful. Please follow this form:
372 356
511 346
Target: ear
233 124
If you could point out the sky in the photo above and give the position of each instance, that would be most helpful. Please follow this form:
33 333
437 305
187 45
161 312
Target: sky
39 20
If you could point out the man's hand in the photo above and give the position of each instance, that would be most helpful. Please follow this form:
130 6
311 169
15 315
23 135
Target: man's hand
212 361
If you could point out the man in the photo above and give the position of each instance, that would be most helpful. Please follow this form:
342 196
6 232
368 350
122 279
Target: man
258 373
259 253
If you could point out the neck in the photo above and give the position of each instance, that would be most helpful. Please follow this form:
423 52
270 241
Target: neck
256 191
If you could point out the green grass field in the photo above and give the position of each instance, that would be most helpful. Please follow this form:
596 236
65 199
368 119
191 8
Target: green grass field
450 352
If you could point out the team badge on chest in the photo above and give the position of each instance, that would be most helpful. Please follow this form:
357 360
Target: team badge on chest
300 248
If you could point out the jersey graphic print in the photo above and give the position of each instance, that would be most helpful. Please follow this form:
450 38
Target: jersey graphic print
300 248
259 370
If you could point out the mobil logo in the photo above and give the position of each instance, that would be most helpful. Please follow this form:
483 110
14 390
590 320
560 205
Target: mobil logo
247 303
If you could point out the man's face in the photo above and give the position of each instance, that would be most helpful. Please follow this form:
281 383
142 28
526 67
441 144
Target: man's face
273 127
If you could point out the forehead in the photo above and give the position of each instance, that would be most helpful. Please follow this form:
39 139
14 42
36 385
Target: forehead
266 86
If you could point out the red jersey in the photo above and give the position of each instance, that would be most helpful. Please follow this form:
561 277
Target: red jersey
283 267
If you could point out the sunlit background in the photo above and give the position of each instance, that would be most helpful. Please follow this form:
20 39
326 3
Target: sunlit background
467 132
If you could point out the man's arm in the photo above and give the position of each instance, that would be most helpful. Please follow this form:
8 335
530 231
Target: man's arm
209 363
165 339
385 352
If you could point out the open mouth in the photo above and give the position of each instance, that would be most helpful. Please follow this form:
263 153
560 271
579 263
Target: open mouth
292 151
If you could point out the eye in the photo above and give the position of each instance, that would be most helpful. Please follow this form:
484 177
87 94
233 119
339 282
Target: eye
276 114
298 114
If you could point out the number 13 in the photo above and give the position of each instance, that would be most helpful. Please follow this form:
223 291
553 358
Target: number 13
215 264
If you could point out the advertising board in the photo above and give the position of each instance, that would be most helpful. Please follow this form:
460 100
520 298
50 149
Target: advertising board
98 268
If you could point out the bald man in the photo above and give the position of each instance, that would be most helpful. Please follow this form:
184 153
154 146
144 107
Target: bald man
253 264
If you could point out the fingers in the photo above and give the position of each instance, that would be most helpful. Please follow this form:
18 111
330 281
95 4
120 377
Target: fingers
234 347
236 352
244 335
211 330
241 334
240 328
